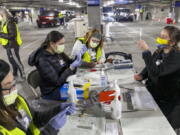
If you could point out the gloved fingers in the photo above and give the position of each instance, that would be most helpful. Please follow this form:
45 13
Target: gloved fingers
84 49
58 122
60 114
65 105
71 111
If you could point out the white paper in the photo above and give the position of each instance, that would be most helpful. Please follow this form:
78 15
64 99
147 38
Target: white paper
112 128
84 126
142 99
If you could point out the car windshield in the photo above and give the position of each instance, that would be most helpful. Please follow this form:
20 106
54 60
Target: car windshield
48 13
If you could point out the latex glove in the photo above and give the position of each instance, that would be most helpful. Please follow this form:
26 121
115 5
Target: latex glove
83 49
77 61
72 108
59 120
143 45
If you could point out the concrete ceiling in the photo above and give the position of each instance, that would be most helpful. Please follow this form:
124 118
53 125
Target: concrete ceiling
82 3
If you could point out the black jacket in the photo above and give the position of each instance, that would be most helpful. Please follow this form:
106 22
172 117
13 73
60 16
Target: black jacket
53 69
12 33
163 73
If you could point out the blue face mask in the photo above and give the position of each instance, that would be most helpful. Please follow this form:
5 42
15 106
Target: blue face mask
159 46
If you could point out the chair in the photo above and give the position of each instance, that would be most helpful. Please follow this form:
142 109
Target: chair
125 55
34 81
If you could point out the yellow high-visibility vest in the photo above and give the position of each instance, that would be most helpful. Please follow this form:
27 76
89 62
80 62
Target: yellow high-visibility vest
4 41
87 56
21 104
60 15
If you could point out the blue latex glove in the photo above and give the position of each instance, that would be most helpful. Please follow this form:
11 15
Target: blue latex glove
77 61
72 108
83 49
59 120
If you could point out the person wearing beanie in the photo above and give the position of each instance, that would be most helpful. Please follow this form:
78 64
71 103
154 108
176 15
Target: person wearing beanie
92 45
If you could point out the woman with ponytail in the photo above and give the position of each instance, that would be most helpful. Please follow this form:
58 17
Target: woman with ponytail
53 64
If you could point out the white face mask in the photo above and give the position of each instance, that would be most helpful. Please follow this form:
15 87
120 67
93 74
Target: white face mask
93 45
10 98
60 49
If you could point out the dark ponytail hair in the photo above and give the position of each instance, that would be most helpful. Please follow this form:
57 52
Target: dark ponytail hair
6 120
174 34
53 36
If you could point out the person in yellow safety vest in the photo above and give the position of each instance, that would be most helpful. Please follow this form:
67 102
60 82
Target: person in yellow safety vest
92 45
61 18
16 118
10 39
141 13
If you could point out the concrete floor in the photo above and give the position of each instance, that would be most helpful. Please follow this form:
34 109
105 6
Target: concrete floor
125 37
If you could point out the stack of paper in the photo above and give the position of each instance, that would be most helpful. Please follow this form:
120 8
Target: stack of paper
84 126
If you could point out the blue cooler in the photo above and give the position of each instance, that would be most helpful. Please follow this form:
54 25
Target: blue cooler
64 92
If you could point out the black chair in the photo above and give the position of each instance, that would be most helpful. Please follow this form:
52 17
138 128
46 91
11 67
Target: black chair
125 55
34 81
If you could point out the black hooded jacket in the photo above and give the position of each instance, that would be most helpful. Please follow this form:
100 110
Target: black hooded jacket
53 69
163 73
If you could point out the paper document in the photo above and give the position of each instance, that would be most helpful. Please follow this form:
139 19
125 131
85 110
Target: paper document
112 128
142 99
84 126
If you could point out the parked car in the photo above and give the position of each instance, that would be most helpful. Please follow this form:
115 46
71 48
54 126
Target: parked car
48 18
108 18
123 14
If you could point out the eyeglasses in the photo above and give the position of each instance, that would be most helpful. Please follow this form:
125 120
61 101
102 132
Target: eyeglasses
8 90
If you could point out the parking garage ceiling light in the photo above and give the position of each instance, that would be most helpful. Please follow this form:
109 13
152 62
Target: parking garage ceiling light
61 0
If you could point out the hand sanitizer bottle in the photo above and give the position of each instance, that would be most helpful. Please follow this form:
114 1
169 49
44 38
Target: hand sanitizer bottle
116 105
103 79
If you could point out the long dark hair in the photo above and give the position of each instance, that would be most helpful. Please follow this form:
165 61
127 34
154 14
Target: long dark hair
7 113
174 34
53 36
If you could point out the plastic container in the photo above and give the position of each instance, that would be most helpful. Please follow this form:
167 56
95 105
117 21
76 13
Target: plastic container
116 105
103 79
79 92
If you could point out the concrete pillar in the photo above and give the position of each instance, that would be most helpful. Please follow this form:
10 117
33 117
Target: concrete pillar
94 16
177 14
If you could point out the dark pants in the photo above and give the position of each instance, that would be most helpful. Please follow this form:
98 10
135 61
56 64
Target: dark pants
61 21
14 59
171 109
55 95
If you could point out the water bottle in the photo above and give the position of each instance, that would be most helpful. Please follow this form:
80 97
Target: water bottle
116 105
72 92
103 79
